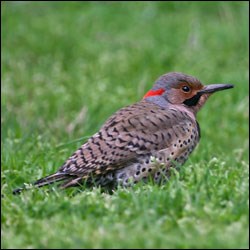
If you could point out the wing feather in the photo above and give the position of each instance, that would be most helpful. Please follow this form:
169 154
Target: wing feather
139 129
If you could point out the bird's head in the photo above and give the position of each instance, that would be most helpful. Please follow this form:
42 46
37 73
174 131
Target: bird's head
178 88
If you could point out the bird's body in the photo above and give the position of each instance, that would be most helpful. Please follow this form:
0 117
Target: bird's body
141 141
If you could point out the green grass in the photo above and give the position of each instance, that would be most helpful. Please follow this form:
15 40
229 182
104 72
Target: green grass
66 67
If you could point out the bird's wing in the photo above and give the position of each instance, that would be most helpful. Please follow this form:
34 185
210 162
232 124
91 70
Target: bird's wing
139 129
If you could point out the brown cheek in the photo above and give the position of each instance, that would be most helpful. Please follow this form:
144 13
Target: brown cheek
191 94
177 97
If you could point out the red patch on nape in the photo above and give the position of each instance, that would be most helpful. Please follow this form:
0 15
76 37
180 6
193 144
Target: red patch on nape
153 93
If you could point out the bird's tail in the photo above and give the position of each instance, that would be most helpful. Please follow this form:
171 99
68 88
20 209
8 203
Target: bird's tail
44 181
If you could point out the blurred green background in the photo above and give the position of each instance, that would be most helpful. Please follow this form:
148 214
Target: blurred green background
67 66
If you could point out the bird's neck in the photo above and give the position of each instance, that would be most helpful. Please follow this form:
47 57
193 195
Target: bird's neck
162 102
158 100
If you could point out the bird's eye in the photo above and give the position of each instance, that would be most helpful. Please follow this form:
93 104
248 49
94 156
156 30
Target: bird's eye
185 88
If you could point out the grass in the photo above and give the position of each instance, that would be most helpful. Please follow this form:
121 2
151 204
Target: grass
66 67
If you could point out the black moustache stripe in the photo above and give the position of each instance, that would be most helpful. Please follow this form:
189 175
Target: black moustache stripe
193 101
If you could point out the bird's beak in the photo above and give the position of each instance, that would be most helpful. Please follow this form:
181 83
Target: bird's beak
209 89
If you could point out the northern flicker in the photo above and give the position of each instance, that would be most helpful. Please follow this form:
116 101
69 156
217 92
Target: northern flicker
141 141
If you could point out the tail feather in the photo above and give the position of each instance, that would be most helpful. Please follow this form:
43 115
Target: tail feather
72 183
45 181
50 179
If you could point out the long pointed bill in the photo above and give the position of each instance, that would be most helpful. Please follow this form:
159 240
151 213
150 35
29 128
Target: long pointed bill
215 87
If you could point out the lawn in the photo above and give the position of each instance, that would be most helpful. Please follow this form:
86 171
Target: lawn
67 66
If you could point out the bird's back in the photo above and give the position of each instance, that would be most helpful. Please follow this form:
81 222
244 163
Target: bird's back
138 141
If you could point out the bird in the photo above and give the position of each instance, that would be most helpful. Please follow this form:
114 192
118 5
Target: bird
142 141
